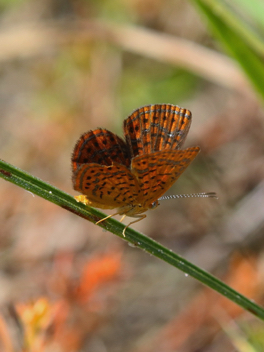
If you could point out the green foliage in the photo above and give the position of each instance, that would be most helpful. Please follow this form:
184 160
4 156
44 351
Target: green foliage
240 40
145 82
7 3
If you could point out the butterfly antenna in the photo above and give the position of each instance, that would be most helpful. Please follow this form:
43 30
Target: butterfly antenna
191 195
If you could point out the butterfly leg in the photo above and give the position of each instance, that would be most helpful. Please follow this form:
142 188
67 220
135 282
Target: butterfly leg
141 217
122 217
107 217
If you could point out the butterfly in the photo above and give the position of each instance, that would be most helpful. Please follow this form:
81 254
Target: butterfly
131 174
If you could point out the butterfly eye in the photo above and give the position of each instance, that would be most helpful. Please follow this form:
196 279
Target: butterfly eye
154 205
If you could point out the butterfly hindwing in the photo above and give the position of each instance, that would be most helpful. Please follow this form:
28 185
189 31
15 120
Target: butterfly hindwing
106 187
156 172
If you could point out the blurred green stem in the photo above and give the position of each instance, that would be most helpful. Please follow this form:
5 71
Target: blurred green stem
222 11
240 42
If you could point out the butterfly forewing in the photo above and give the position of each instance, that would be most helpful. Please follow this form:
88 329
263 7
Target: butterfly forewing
102 147
156 172
106 187
156 127
178 122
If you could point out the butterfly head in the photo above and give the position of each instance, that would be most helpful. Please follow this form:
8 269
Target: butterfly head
137 209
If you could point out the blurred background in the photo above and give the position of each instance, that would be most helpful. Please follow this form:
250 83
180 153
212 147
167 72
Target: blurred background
74 65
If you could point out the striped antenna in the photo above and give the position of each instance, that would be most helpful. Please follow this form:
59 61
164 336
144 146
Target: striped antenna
191 195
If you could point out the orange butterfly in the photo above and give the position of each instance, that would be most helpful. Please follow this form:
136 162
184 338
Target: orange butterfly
132 175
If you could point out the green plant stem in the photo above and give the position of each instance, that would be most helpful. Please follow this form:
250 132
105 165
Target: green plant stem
64 200
223 12
249 56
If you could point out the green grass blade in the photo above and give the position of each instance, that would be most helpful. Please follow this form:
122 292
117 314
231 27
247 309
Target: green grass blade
231 19
252 9
64 200
246 54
